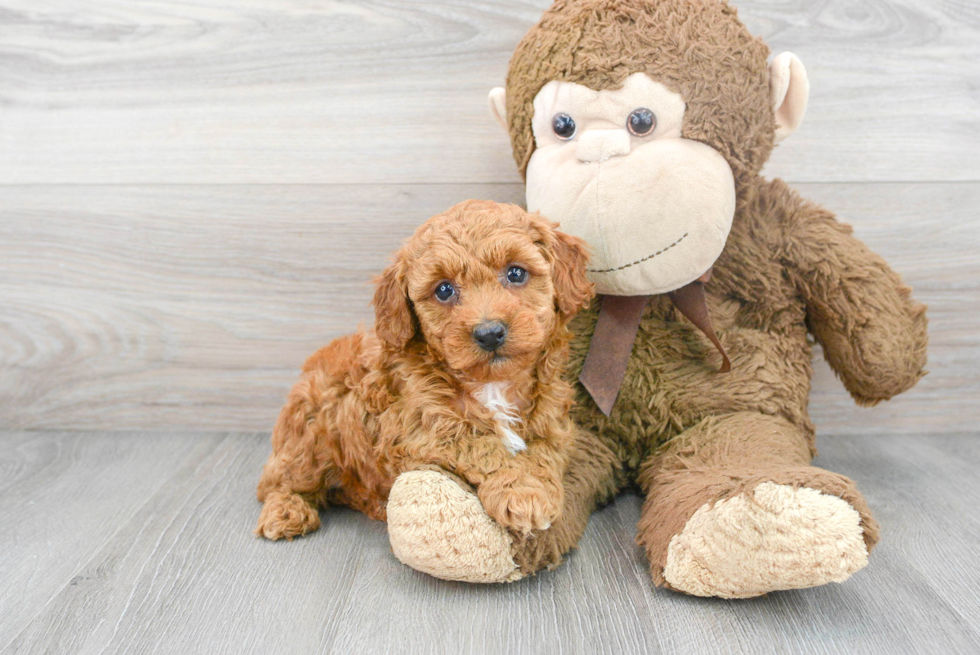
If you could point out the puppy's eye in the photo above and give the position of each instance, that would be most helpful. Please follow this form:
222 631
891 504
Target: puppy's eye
516 275
641 122
445 291
564 126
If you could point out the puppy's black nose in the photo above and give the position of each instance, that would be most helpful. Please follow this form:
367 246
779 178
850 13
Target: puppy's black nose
490 335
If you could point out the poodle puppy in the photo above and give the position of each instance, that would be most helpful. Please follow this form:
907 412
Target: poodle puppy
462 372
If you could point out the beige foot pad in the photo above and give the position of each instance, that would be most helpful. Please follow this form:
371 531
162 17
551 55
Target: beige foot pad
437 527
777 537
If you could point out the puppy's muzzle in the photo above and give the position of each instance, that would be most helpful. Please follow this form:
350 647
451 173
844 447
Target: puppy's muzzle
490 335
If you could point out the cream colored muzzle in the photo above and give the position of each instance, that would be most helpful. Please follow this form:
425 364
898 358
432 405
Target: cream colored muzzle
656 214
600 145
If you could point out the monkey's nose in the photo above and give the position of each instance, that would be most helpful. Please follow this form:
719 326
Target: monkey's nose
600 145
490 335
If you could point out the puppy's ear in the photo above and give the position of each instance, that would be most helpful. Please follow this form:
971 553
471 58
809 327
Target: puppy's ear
573 291
393 320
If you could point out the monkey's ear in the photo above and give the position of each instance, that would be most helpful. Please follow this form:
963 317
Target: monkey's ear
393 321
789 91
573 291
497 100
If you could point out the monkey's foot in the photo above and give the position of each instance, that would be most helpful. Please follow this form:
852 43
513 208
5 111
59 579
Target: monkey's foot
771 538
437 527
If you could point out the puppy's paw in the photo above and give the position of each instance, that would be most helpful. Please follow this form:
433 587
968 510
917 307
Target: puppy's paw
286 515
523 506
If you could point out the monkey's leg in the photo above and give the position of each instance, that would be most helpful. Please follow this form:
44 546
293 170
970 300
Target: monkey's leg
733 509
437 525
594 475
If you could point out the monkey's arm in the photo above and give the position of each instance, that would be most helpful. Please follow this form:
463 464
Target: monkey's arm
872 331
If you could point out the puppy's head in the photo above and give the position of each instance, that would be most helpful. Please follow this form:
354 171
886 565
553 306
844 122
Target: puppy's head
486 285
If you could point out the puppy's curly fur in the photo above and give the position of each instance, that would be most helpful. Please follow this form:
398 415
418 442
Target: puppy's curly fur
418 391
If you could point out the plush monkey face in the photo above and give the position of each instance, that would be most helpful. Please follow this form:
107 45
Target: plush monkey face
613 167
636 122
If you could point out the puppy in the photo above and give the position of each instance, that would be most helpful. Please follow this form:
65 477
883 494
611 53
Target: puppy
463 372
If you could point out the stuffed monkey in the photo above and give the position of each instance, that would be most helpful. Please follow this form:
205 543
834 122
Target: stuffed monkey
642 126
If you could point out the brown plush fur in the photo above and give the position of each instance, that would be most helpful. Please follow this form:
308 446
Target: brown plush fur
697 48
372 405
687 434
587 483
723 456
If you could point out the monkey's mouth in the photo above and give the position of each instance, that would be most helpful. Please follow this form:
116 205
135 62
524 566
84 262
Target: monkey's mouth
638 261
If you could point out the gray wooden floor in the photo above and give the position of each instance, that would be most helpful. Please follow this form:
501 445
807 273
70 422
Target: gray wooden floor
141 543
193 196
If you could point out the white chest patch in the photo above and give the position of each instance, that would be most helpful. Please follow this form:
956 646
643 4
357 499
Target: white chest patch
493 396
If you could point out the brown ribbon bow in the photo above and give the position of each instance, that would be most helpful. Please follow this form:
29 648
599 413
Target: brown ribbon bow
615 330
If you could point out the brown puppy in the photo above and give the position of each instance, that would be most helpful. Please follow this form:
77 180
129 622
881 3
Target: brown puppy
463 372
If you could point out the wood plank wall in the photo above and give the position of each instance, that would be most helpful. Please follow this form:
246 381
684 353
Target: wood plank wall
194 196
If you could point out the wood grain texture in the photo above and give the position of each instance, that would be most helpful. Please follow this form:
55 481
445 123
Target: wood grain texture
185 575
63 496
194 306
288 91
193 197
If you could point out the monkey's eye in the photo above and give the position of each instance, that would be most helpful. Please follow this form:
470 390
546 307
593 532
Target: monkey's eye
564 126
445 291
641 122
516 275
